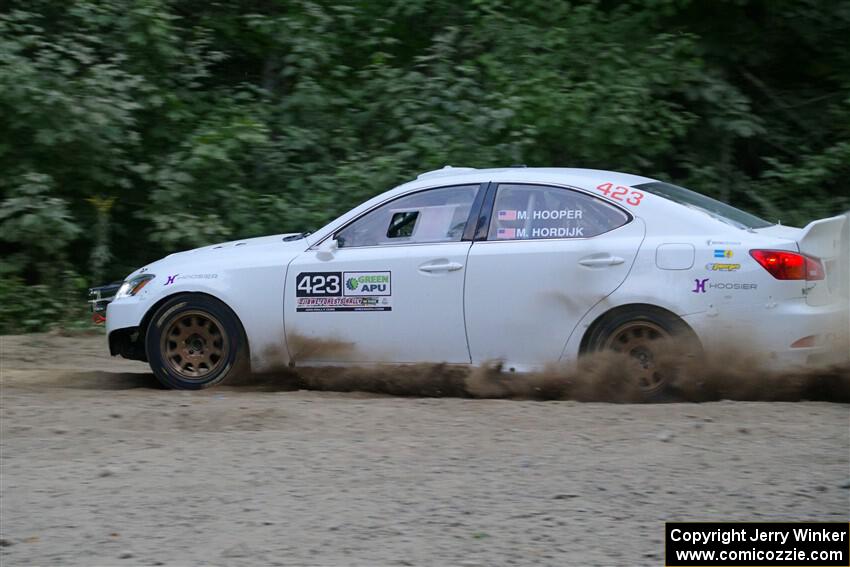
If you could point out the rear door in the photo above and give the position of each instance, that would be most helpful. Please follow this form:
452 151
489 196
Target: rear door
549 254
392 291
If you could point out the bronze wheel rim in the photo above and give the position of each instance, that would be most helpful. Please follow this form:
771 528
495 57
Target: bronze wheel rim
640 341
194 345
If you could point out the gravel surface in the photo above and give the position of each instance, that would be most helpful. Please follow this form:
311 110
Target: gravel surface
100 467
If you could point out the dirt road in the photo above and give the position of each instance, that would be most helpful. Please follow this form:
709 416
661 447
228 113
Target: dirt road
100 467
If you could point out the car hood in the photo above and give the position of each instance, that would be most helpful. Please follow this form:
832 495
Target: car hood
225 252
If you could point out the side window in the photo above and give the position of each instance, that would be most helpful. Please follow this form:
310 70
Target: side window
532 212
435 215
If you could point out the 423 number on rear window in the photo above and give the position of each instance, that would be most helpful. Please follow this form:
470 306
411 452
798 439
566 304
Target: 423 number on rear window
318 284
619 193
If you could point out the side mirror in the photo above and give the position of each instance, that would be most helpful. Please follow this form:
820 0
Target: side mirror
325 251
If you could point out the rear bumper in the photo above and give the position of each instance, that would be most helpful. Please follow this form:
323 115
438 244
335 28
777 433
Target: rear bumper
770 329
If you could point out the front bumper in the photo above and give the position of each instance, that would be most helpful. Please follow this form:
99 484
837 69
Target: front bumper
124 322
99 299
128 343
126 312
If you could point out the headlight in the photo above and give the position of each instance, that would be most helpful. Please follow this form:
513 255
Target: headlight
134 285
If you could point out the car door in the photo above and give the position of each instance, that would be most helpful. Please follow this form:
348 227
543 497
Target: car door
549 254
392 290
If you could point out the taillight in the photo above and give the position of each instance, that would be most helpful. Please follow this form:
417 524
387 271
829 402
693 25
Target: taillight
814 269
784 265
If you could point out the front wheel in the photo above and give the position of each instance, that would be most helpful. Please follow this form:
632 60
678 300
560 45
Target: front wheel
644 335
194 342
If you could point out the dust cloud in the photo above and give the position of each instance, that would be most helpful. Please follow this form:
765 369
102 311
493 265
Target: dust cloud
730 373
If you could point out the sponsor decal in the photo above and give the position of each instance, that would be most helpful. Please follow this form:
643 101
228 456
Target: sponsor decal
343 291
701 285
173 279
324 304
367 283
733 286
716 267
723 253
722 243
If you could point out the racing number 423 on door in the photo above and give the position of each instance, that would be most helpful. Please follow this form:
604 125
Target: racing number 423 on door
313 284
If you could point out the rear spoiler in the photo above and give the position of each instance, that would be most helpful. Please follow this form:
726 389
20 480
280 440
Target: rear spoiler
822 238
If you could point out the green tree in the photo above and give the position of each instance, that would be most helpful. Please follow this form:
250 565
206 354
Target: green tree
207 121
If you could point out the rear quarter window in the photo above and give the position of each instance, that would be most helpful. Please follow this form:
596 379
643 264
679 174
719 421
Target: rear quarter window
537 212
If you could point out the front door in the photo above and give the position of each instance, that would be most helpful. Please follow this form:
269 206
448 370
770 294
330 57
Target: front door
550 254
393 289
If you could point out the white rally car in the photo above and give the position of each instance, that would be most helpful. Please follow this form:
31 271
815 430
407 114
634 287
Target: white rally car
467 266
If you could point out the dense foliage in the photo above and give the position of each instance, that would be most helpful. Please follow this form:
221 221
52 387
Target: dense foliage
132 128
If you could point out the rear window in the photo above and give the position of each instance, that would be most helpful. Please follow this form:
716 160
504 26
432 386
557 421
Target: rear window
532 212
712 207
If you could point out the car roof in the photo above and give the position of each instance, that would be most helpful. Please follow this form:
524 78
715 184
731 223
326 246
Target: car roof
577 176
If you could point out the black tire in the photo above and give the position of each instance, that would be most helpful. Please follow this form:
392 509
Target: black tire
646 334
195 341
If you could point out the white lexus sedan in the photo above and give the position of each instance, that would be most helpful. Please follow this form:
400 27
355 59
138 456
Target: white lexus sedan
525 266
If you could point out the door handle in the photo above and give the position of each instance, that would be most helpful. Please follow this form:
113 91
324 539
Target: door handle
447 267
597 261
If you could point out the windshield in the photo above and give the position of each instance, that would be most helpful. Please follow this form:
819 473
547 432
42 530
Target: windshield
712 207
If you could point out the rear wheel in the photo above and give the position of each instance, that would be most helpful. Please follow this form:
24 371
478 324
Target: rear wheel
643 334
194 342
